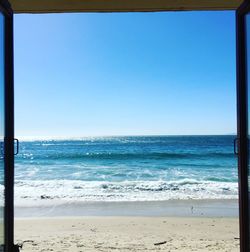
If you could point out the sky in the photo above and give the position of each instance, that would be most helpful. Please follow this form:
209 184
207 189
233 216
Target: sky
166 73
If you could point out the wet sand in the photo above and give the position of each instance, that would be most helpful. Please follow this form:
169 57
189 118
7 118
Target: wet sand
171 208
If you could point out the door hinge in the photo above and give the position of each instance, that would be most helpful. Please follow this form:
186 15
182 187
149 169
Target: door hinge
17 146
236 143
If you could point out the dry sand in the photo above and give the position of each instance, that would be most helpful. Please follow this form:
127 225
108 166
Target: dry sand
128 234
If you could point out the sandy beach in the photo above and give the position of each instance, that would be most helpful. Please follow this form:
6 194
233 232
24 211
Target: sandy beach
127 234
130 226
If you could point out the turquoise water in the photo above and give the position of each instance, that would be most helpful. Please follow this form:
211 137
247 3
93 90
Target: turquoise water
126 169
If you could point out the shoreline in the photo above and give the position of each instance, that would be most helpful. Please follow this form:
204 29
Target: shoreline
170 208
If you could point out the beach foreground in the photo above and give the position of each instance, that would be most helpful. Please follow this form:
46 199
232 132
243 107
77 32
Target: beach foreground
126 233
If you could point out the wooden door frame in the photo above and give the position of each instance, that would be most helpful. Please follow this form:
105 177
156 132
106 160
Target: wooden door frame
6 10
241 125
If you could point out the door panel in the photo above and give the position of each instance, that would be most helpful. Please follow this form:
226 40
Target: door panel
2 131
6 129
247 73
247 66
243 119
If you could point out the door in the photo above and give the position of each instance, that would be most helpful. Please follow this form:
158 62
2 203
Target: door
243 119
6 128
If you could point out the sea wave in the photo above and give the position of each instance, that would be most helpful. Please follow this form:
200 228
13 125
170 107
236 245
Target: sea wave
124 156
36 193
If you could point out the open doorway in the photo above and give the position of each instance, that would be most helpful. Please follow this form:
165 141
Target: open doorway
141 76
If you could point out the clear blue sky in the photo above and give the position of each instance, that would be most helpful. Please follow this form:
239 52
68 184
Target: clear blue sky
125 74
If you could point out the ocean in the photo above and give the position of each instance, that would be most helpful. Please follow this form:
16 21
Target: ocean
126 168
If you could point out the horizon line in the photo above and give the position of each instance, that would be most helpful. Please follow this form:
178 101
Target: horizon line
33 138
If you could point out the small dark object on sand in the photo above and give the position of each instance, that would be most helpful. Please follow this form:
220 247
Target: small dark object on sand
160 243
45 197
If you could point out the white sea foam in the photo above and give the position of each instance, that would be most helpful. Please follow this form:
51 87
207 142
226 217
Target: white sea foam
50 192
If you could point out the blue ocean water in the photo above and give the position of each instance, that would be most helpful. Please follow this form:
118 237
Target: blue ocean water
136 168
